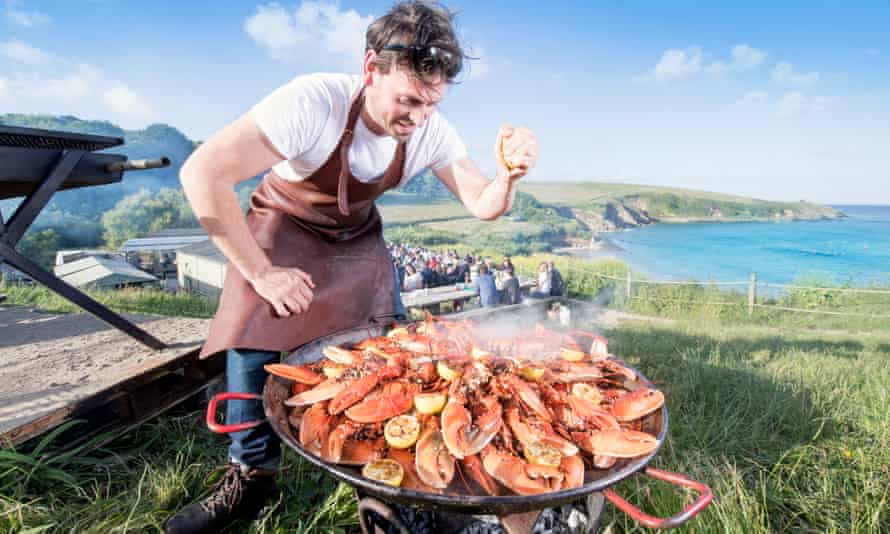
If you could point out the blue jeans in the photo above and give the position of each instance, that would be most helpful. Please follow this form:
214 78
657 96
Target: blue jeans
398 306
257 447
260 446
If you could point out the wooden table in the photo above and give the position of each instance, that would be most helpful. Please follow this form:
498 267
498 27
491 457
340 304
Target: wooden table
431 299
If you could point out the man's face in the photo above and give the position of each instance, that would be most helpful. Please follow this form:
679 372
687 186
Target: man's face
398 103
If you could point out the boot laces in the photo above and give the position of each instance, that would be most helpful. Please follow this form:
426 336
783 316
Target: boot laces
228 491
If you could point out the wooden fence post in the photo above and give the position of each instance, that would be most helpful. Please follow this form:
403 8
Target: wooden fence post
752 293
627 290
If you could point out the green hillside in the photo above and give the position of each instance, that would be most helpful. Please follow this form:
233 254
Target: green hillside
423 211
558 214
608 206
153 142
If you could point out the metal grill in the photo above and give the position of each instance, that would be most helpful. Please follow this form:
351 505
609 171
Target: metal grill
54 140
37 163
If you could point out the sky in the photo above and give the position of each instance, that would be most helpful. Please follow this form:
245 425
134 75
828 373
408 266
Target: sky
782 101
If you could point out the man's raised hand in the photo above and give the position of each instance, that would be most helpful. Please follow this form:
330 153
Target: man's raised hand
516 151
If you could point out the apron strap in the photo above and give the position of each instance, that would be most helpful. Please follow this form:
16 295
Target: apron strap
391 177
345 142
343 179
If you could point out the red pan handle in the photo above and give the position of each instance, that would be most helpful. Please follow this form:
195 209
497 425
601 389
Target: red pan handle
237 427
703 500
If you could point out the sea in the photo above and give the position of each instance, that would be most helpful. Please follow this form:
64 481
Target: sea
854 250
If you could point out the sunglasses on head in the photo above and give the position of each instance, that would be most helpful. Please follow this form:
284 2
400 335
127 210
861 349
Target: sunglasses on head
427 59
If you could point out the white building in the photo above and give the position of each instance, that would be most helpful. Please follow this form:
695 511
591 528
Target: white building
103 273
201 269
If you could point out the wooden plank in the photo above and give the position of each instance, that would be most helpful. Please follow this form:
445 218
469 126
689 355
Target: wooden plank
60 366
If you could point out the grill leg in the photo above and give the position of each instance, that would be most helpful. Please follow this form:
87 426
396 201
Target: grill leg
520 523
375 516
12 257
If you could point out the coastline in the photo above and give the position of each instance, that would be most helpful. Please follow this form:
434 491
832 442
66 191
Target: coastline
851 250
602 246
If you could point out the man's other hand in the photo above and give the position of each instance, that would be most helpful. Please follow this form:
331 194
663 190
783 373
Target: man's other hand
287 289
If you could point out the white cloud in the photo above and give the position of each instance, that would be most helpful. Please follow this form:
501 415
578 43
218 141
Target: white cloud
125 101
745 57
23 52
785 74
741 58
316 32
76 85
796 103
718 68
678 64
16 14
757 96
71 88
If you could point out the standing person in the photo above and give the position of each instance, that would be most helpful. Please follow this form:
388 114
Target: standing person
510 292
485 288
310 259
543 288
557 284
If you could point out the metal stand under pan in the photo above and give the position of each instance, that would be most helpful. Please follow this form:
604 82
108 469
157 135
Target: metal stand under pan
580 517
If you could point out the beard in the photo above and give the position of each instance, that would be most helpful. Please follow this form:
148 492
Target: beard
402 128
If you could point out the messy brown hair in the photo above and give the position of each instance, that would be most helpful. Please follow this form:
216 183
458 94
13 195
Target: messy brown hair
416 24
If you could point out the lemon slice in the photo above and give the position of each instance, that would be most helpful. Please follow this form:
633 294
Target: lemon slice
398 332
333 370
572 355
587 392
478 353
446 372
386 471
402 431
532 373
429 403
542 454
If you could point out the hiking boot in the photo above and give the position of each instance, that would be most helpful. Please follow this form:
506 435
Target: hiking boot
240 494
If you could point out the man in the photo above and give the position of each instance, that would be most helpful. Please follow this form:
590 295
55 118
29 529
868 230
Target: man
309 259
557 285
510 293
485 288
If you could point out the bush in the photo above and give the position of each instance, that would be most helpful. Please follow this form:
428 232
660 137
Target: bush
420 235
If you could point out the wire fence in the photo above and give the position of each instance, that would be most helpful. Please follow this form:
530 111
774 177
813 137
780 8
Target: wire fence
756 289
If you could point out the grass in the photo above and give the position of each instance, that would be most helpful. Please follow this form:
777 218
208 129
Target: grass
584 194
403 211
789 429
146 301
783 415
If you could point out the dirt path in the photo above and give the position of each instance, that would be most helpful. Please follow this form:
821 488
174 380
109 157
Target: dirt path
48 361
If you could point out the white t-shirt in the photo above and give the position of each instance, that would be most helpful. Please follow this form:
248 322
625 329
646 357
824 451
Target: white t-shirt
305 118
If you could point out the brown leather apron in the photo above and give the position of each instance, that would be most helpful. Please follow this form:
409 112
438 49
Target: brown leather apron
328 226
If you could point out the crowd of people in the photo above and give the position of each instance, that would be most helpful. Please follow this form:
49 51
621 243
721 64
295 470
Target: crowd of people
422 268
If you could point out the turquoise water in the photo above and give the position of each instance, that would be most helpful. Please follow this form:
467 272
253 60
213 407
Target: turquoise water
854 250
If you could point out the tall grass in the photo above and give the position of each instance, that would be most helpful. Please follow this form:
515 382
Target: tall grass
784 416
789 429
147 301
